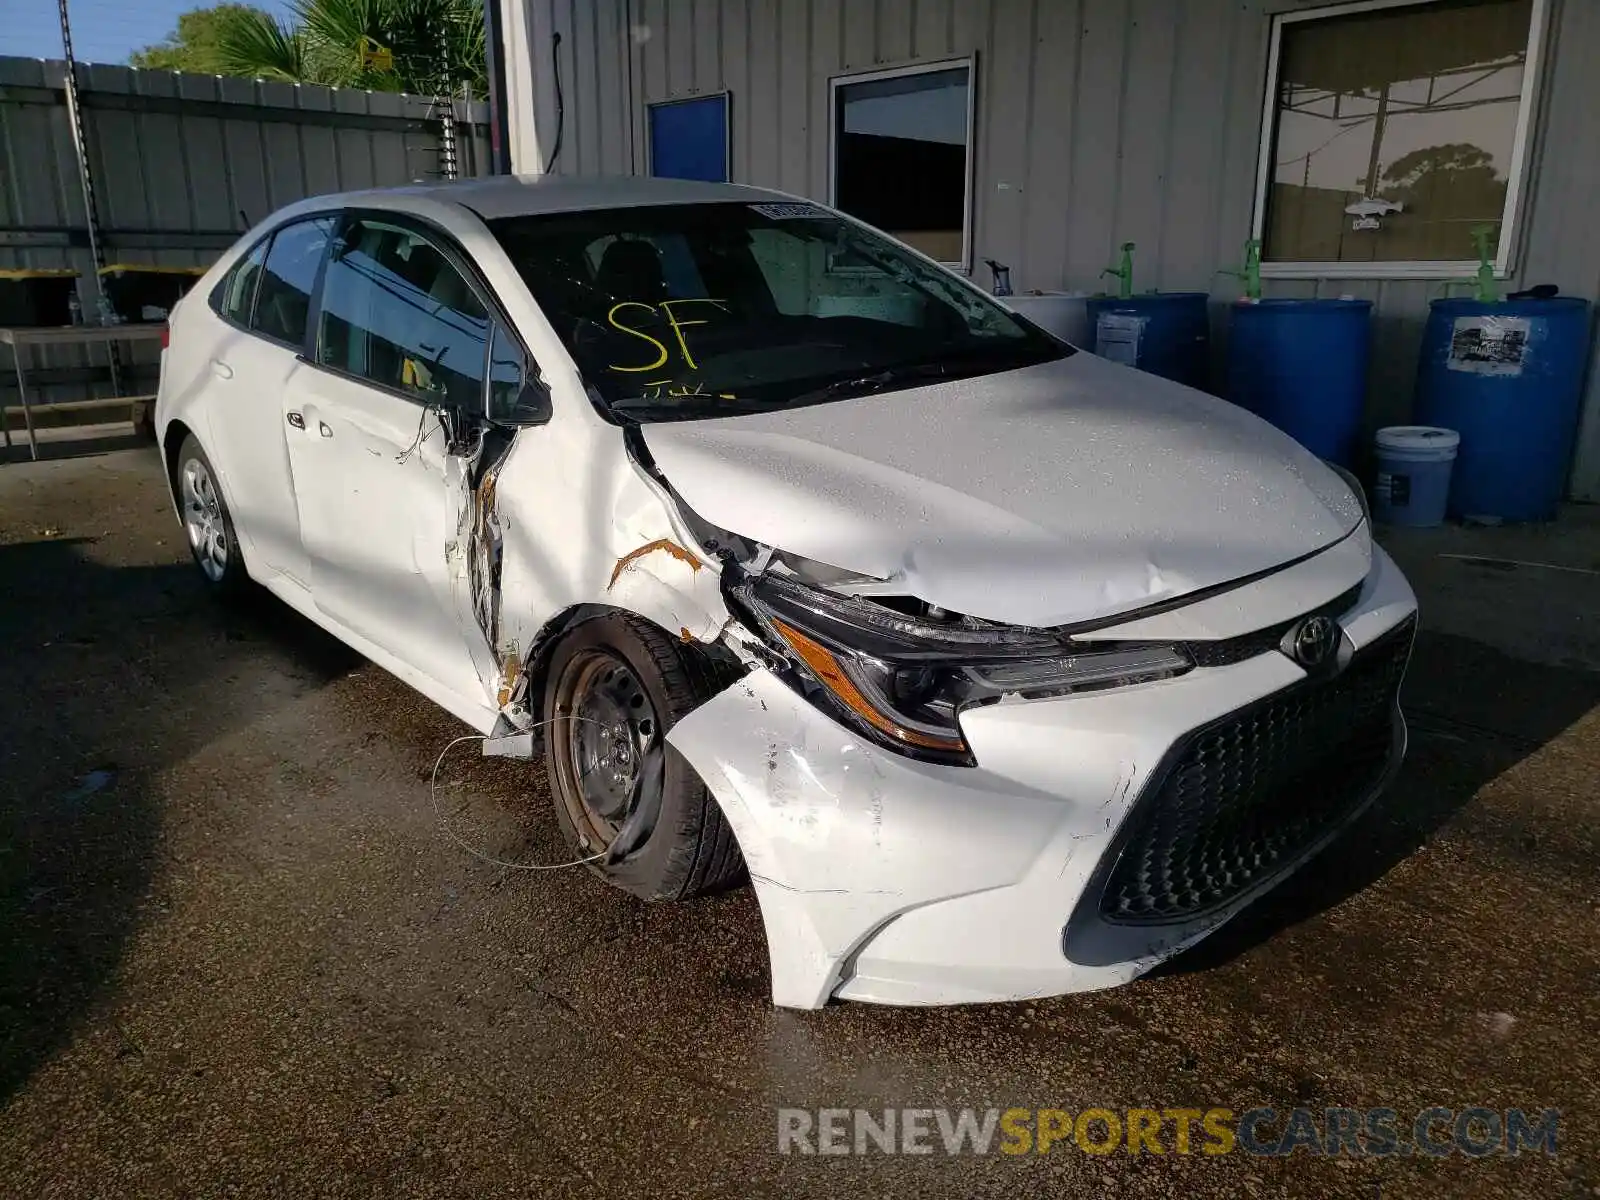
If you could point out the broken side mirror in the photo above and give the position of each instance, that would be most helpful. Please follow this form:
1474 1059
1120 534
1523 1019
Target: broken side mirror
527 404
516 395
532 406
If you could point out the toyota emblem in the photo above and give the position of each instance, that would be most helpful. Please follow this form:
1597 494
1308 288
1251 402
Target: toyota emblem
1313 642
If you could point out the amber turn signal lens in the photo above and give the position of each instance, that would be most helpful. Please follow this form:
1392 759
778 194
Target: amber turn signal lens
830 672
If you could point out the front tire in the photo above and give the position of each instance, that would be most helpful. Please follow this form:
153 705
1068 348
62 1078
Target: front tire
615 686
207 524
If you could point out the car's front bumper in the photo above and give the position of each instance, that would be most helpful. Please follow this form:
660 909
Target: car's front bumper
885 879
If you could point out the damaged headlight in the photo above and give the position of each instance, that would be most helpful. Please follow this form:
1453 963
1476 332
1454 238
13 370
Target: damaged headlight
903 677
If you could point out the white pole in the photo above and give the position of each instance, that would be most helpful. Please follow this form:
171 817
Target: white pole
522 73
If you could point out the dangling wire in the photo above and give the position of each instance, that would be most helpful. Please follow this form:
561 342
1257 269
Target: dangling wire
433 796
416 442
561 102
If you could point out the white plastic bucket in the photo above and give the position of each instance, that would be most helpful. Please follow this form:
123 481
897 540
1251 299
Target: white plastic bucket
1061 313
1414 465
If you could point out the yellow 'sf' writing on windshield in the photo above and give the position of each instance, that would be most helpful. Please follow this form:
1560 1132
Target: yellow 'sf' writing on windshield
611 318
665 308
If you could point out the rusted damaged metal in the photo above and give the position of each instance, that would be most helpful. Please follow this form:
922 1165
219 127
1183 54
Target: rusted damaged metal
508 680
510 589
483 563
473 558
660 545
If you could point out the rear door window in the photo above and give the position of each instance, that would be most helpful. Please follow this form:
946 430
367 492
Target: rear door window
283 301
236 295
397 312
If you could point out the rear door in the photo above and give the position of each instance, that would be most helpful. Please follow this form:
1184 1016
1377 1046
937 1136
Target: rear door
400 354
263 303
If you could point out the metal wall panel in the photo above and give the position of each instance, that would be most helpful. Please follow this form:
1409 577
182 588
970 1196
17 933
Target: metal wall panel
798 120
933 22
1563 243
1094 224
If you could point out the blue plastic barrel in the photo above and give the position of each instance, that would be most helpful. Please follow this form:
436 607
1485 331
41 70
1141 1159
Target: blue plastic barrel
1164 333
1508 378
1302 365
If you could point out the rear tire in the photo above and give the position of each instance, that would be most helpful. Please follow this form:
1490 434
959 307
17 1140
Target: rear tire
207 524
622 673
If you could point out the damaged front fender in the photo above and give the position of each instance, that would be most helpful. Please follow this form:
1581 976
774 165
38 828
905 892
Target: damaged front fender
546 527
667 583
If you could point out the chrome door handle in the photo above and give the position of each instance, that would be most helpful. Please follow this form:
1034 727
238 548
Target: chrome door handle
296 420
324 429
221 369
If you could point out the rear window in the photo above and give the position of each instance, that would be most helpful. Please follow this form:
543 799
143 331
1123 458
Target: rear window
682 311
283 299
235 296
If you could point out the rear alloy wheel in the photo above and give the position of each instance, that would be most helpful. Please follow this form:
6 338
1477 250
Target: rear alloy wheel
616 685
206 523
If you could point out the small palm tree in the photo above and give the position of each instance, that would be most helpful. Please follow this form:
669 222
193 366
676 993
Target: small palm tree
426 47
260 46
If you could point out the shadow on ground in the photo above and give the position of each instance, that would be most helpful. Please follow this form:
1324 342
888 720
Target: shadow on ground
114 674
1473 714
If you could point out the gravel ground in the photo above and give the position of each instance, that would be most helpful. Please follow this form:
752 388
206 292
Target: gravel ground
239 957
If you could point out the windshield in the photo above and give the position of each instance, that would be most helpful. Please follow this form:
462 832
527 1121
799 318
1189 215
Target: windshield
701 310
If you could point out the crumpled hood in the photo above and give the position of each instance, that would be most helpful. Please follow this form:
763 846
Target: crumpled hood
1054 494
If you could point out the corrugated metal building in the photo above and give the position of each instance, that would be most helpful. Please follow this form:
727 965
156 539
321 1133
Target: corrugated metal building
1088 123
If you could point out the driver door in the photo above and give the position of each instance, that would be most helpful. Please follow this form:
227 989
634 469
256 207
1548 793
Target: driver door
400 357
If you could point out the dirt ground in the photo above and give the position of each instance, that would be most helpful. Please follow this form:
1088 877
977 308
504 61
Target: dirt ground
238 956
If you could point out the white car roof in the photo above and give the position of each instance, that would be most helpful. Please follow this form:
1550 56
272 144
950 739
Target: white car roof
526 195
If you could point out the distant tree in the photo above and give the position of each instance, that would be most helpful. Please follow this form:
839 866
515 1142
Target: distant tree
1455 183
425 47
1461 160
195 44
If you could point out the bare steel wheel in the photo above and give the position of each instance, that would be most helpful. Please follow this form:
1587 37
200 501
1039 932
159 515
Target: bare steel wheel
601 747
615 686
206 522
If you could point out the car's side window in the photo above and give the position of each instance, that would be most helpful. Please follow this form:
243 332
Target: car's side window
235 296
283 301
397 312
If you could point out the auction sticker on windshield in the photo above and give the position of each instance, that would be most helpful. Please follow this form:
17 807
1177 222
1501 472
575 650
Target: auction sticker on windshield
788 212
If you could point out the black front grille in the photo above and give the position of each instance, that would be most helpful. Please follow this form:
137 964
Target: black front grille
1246 795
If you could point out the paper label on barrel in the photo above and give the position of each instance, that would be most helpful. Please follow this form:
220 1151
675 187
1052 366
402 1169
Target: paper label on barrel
1488 345
1116 336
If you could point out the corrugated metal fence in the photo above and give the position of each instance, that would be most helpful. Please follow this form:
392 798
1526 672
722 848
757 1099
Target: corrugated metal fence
183 164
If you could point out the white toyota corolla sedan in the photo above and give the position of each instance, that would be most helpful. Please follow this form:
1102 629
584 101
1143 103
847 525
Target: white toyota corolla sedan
1001 670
